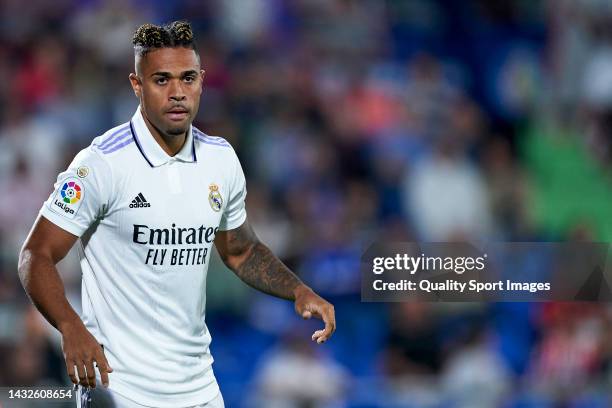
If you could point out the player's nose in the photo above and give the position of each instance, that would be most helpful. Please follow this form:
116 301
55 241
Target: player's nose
177 97
176 93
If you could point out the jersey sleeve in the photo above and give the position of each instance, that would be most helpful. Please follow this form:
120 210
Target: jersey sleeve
81 193
234 214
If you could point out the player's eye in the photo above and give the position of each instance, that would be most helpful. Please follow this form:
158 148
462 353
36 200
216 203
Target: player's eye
161 81
189 78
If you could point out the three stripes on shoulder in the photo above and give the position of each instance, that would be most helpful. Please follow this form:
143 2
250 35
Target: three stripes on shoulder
118 139
122 136
212 140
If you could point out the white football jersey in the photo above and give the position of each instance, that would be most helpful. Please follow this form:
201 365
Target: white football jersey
146 223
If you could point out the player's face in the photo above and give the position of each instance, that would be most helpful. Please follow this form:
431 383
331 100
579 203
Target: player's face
168 82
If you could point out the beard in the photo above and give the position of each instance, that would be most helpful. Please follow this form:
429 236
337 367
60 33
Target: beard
176 131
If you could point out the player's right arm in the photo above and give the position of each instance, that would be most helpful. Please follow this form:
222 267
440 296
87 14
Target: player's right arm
80 196
44 247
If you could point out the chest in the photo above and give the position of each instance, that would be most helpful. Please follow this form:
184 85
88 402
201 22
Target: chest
171 197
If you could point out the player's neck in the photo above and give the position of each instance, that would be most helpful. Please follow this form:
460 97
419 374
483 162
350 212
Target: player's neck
170 144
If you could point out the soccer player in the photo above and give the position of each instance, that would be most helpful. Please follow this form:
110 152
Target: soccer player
146 201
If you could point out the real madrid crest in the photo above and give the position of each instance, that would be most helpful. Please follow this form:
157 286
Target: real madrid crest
214 198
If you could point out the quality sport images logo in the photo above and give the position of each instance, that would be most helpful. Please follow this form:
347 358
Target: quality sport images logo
69 198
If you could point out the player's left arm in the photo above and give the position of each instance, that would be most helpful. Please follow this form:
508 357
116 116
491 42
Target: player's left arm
256 265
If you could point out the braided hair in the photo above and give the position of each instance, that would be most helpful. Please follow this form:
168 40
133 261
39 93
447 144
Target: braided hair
151 36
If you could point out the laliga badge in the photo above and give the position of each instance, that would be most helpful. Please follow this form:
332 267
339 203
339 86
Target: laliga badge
214 198
68 198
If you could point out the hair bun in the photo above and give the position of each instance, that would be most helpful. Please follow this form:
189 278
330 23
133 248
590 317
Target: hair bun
150 35
181 31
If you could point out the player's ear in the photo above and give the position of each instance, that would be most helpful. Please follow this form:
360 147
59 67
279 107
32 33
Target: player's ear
202 75
136 85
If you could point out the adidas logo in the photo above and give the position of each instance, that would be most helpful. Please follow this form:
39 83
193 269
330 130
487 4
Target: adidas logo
139 202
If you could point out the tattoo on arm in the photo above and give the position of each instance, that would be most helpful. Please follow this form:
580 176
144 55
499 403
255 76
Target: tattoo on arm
256 265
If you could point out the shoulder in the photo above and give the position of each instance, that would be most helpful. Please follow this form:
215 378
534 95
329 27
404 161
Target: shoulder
215 151
102 148
203 140
113 140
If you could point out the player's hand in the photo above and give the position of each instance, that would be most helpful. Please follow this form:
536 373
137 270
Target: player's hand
309 304
83 351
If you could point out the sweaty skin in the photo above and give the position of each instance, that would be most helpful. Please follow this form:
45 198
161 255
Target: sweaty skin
168 83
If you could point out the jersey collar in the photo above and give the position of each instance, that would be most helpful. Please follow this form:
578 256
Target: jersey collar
151 150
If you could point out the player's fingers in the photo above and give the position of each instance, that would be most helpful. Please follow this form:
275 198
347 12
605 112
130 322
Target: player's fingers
104 360
331 314
103 375
71 372
317 334
80 365
104 369
329 318
91 374
323 335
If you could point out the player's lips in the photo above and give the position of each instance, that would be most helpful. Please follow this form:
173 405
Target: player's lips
177 113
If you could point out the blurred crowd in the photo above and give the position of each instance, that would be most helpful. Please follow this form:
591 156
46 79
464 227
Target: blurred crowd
356 122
